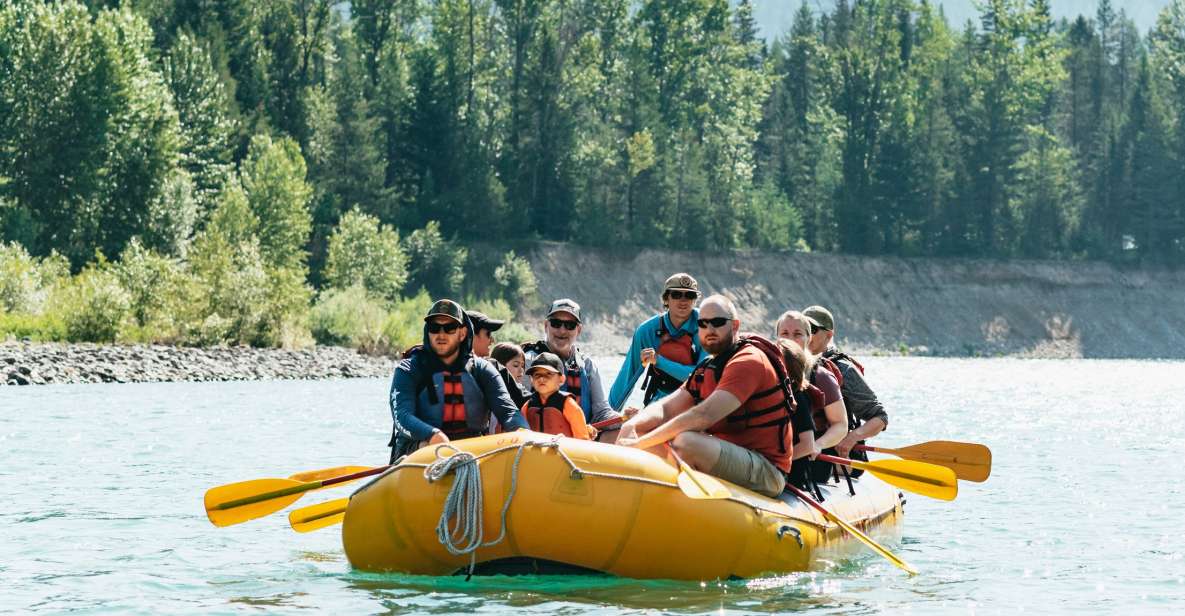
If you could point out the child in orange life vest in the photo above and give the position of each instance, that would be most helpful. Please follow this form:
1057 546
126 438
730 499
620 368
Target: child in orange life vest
550 410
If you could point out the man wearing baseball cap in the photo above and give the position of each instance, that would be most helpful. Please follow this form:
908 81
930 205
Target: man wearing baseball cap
441 391
483 332
483 338
866 415
666 346
582 379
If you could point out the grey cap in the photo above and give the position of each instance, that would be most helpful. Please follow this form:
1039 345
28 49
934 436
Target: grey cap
820 317
565 305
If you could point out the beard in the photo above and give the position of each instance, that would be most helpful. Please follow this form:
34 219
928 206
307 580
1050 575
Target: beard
448 349
720 345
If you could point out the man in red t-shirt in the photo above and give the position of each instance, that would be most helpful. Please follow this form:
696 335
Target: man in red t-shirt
749 451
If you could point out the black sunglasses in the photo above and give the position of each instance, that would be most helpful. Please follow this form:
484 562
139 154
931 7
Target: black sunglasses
568 325
682 294
436 328
715 322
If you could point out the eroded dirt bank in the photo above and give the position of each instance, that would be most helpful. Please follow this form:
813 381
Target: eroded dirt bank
924 306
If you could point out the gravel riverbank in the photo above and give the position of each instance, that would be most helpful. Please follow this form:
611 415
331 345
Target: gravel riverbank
25 363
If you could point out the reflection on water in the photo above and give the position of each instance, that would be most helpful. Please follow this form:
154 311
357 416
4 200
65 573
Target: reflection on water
102 487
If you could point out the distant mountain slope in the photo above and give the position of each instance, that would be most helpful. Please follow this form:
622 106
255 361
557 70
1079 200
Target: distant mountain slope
775 16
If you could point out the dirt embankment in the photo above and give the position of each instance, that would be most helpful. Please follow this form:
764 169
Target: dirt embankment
890 305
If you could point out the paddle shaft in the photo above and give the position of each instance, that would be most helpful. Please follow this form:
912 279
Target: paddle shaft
873 468
312 485
852 530
612 421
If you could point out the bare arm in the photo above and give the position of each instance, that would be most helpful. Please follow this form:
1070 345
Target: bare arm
696 419
837 425
867 430
655 413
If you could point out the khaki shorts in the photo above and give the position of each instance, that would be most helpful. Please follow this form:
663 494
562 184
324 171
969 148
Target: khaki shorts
748 469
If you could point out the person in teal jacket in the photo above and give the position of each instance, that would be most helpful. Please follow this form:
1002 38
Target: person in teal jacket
667 342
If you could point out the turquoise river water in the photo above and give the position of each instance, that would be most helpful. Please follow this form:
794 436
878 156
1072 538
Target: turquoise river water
101 503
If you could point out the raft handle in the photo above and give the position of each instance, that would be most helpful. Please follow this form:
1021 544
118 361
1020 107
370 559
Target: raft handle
786 528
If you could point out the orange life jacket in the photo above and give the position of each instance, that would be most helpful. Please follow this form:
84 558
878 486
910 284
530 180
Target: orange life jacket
548 416
761 423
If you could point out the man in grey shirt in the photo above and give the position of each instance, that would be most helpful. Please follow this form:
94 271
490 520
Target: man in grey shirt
866 415
582 379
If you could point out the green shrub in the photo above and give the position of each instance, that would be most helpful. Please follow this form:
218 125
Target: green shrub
152 282
93 305
285 315
226 292
434 263
404 326
361 251
349 317
516 281
35 327
25 281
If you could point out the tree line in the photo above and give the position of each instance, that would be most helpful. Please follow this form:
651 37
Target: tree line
875 128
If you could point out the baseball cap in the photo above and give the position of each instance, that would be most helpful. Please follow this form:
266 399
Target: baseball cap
565 305
681 282
546 361
483 321
447 308
820 316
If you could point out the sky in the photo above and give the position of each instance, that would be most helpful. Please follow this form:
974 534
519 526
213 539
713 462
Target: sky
775 16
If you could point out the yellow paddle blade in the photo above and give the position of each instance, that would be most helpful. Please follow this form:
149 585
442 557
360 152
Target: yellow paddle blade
969 461
314 517
329 473
235 503
699 485
917 477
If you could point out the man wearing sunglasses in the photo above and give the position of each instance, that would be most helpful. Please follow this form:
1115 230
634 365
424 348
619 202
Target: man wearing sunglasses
666 345
441 391
732 417
866 415
582 379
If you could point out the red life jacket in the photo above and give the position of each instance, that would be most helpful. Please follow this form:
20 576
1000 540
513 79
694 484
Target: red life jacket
677 349
761 423
454 423
548 416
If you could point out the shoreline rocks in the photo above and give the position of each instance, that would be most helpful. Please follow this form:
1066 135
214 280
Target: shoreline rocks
32 363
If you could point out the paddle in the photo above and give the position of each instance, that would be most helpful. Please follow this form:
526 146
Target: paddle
696 484
917 477
235 503
852 530
969 461
315 517
328 473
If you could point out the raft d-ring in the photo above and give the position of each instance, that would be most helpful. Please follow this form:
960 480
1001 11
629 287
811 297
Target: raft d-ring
785 528
576 474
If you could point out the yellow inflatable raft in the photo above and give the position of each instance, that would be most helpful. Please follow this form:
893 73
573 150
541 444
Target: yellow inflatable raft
592 506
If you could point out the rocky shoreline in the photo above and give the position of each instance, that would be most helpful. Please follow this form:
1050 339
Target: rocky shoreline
28 363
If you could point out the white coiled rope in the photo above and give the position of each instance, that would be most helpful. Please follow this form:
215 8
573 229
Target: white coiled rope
460 529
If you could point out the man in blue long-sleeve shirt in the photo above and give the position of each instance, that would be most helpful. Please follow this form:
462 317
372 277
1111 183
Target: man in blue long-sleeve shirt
441 391
668 342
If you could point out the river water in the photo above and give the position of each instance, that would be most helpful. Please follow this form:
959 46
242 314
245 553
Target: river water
101 502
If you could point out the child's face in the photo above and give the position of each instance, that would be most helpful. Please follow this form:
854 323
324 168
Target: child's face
546 382
516 366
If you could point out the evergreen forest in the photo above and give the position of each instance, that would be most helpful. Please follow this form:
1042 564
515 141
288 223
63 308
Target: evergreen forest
263 159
